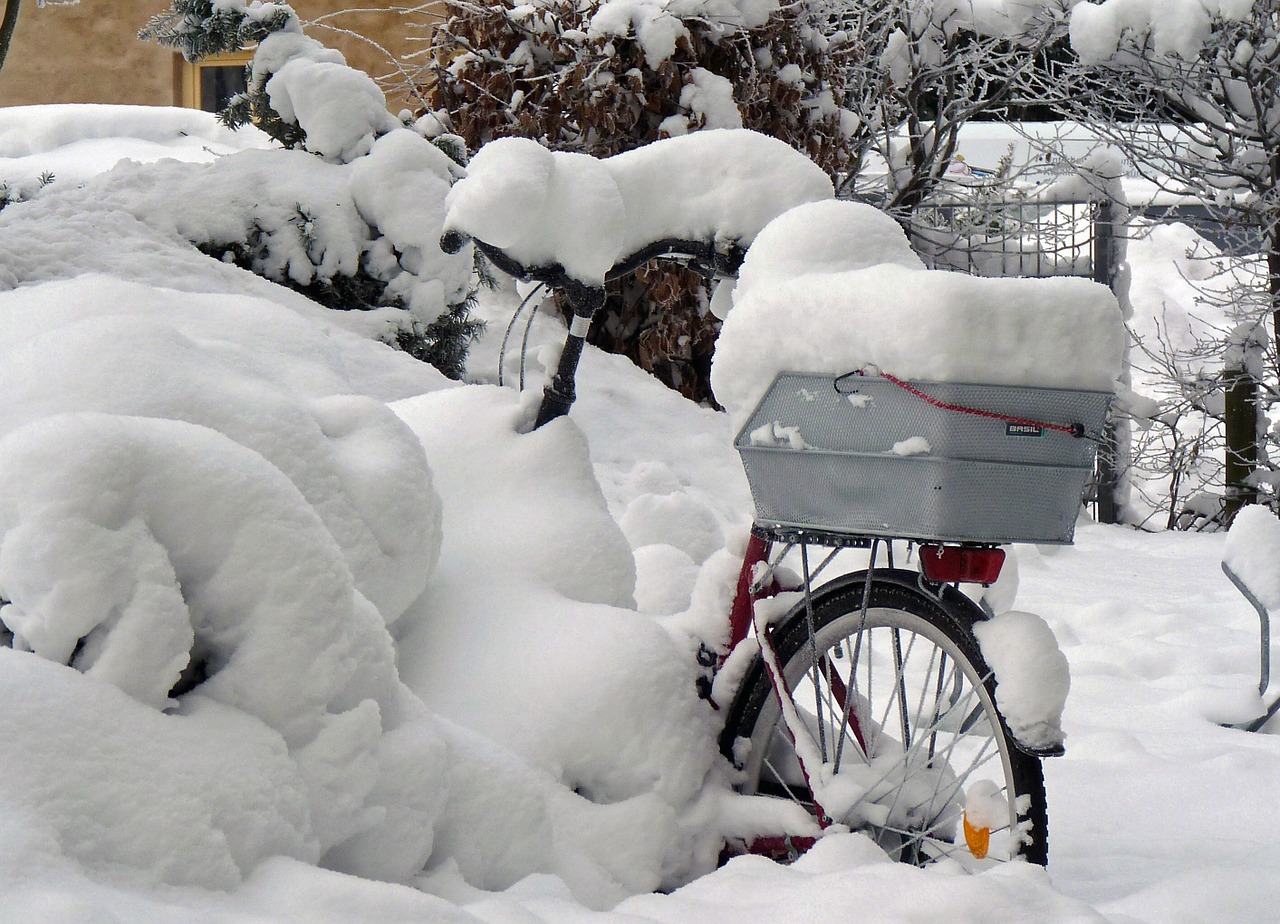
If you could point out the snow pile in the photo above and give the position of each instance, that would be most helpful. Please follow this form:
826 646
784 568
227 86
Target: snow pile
197 799
875 305
1174 27
74 141
589 692
1033 675
200 508
206 504
197 503
585 214
1253 553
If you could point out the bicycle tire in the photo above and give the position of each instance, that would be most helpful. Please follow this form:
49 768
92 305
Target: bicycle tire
933 633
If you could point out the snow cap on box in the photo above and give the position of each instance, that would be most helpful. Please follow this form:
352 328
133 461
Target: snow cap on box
862 298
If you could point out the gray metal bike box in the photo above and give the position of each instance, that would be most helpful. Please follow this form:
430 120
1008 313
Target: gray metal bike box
980 480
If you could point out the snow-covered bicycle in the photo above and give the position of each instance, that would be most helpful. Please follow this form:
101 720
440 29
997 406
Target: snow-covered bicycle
854 679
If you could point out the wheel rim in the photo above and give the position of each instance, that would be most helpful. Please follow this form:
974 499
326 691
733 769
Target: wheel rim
919 751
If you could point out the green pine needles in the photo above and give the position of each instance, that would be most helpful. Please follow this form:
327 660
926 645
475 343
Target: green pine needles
253 107
202 28
443 343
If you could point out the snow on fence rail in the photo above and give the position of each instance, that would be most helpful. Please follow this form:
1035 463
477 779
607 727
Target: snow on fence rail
1016 238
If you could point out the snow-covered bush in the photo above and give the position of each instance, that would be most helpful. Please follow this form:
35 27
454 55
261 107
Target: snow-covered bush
10 193
357 225
201 28
917 71
200 507
231 639
607 76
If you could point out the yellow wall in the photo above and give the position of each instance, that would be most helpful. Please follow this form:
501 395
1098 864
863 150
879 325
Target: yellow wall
90 52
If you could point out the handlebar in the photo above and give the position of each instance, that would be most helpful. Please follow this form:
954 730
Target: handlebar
704 257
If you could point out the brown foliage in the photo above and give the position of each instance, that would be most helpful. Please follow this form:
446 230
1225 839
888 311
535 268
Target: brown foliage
501 70
504 69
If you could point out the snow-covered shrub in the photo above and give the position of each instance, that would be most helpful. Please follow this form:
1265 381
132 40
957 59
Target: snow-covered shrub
195 455
916 71
200 28
206 504
607 76
388 182
20 192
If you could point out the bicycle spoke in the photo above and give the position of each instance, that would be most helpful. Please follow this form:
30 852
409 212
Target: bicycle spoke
905 719
915 769
782 781
937 698
897 681
900 666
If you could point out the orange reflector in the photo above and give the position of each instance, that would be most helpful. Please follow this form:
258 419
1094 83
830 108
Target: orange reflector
978 839
951 564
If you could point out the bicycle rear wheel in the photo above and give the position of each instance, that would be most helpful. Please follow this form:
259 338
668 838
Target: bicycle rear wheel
901 706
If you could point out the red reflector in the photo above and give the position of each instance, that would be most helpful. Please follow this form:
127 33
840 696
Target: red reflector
951 564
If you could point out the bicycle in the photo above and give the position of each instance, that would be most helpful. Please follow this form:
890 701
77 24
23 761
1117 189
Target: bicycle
865 702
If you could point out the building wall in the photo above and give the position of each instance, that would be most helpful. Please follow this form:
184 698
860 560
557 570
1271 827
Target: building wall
90 52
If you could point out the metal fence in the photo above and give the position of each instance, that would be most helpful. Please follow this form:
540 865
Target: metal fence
999 238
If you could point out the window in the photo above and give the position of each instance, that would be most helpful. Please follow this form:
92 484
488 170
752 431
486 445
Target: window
210 84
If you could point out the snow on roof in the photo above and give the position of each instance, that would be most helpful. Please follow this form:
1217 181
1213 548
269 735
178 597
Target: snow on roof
864 299
586 214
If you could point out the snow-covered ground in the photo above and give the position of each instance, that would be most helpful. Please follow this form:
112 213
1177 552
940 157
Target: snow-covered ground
521 715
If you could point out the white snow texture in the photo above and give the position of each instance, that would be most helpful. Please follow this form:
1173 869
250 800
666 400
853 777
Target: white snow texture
420 655
545 207
833 287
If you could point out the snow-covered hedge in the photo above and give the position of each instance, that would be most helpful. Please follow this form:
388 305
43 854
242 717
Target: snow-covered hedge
357 225
209 512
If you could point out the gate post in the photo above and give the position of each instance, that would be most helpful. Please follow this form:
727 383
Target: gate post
1104 271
